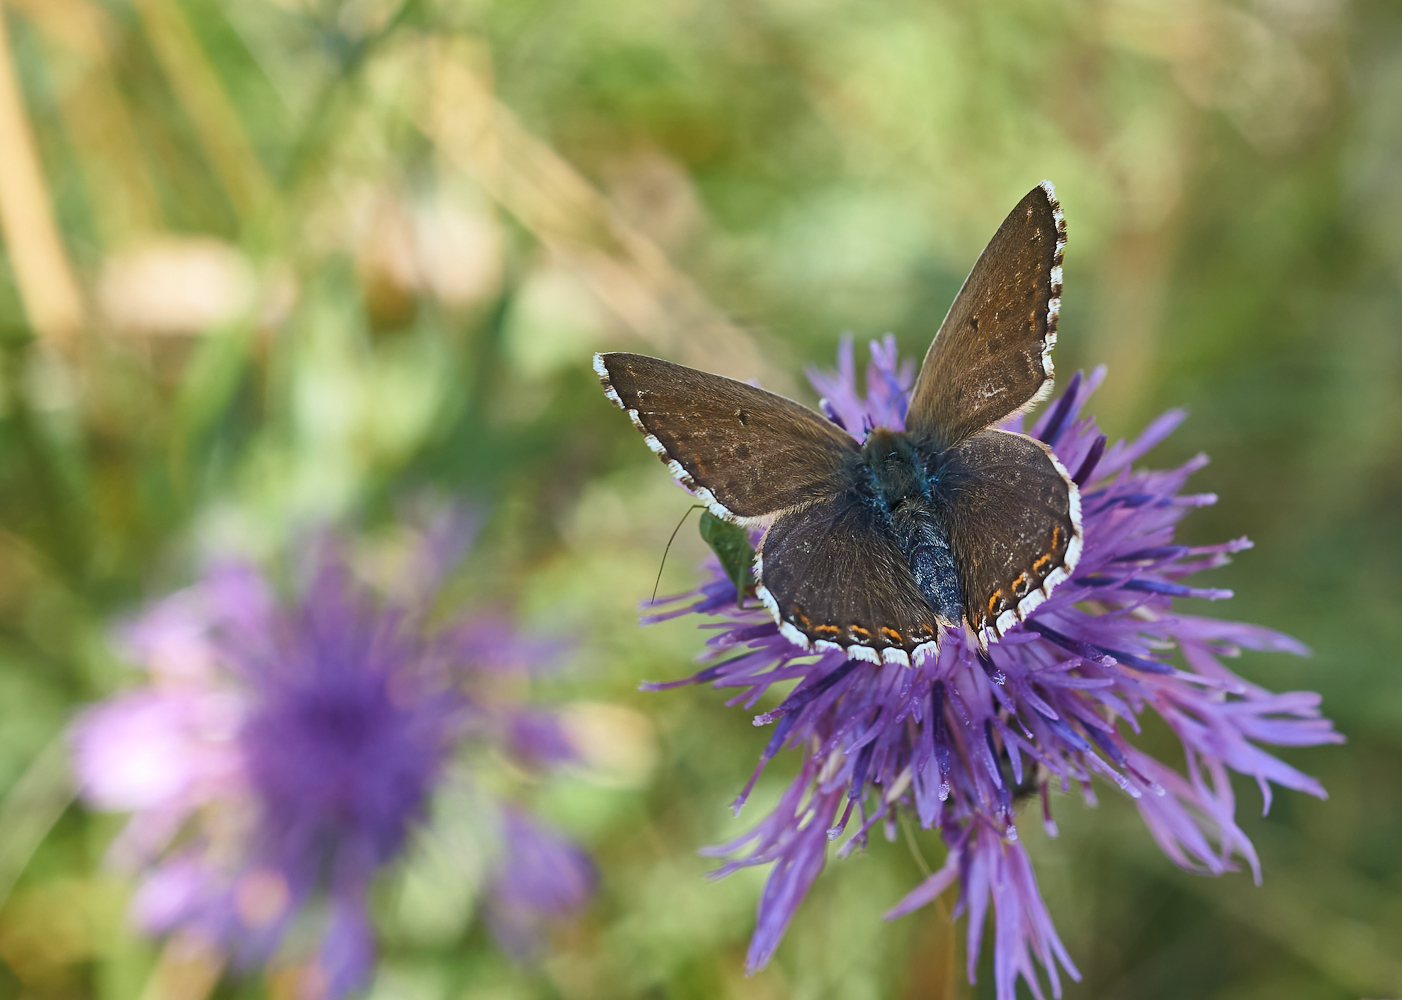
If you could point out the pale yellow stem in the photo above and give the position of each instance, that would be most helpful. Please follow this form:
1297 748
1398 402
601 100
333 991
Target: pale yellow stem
201 94
47 288
627 272
31 808
77 32
188 969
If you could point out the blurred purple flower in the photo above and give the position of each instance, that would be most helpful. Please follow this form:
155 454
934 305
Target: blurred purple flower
542 874
283 752
957 739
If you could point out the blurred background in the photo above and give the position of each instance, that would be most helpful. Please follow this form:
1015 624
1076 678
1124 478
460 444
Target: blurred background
272 263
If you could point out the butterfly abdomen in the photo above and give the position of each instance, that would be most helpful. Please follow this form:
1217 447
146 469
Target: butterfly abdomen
901 481
926 548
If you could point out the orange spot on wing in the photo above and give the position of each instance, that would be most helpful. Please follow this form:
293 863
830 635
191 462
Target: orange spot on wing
827 629
890 633
860 632
1041 562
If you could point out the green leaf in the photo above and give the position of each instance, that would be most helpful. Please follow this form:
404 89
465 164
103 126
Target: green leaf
731 544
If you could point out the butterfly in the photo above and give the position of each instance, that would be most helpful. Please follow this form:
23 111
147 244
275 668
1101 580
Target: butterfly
881 547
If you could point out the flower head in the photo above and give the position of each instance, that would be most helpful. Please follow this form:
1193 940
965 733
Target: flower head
283 753
958 739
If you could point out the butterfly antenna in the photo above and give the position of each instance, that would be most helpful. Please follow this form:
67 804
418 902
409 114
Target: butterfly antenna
658 582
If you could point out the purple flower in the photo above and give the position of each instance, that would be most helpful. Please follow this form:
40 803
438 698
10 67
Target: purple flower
283 753
542 874
959 739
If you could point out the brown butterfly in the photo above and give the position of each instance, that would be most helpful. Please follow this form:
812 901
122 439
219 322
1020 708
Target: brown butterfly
882 546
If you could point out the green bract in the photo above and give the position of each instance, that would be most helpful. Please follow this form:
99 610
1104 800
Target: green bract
731 544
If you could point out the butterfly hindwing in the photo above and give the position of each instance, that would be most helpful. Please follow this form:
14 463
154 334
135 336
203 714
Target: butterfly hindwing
746 453
834 577
992 355
1014 523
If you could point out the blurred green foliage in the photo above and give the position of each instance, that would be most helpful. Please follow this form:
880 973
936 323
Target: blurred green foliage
331 253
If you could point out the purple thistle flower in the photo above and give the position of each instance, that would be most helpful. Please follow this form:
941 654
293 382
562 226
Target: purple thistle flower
958 739
283 753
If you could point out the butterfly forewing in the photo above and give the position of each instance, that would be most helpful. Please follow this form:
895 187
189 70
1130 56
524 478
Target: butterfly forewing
747 453
833 575
1015 526
992 355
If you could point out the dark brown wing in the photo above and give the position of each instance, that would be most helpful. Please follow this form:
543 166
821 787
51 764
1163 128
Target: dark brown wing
745 452
1014 526
835 578
992 355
